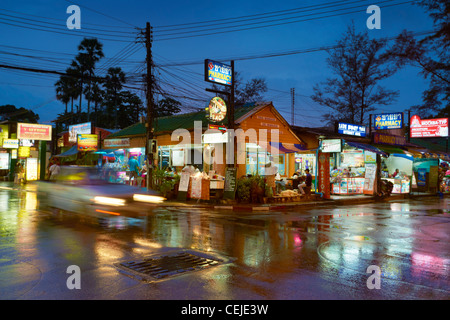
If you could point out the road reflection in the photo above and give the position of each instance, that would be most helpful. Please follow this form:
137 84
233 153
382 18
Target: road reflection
335 243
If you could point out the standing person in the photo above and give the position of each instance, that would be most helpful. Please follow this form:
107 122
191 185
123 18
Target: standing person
134 169
54 170
18 173
307 183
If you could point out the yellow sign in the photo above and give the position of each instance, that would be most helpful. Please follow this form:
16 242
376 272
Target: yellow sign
87 142
24 152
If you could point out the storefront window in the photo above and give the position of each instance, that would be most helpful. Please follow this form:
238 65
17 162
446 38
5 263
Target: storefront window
257 158
305 161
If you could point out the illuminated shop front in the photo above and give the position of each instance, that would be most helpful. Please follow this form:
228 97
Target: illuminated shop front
348 172
23 148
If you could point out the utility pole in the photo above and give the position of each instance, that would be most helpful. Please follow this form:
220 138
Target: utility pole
292 105
149 92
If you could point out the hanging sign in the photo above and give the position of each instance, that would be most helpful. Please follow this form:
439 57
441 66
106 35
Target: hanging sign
351 129
428 128
331 145
217 109
217 72
389 121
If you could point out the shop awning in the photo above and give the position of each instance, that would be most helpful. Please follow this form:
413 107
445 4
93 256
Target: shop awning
105 151
72 151
391 149
282 147
368 147
288 147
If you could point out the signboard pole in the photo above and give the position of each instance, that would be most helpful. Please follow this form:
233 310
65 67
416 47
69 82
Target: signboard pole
42 159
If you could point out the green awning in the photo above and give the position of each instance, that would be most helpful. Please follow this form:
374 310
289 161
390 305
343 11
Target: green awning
391 149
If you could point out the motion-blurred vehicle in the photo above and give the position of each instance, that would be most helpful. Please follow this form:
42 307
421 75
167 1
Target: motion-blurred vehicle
89 190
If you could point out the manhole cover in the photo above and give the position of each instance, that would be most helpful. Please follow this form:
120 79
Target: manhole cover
163 266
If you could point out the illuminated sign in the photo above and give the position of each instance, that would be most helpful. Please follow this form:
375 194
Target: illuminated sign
381 138
217 109
4 161
87 142
125 142
217 72
32 169
3 132
34 131
26 143
389 121
351 129
10 143
24 152
331 145
82 128
217 127
428 128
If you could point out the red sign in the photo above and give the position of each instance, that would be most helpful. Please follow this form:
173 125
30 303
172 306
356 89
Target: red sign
33 131
428 128
324 175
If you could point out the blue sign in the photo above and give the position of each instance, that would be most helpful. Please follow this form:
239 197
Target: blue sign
389 121
352 129
421 177
217 72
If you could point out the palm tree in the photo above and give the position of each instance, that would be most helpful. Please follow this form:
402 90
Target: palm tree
63 91
114 80
90 52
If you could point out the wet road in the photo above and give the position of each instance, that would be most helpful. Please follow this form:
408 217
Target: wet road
313 253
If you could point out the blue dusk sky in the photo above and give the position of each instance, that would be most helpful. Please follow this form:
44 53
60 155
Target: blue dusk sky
256 34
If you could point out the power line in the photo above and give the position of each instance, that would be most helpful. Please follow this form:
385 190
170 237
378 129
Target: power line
103 14
61 20
214 25
282 53
334 14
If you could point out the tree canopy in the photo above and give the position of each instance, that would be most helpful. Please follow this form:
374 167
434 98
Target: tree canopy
359 65
12 113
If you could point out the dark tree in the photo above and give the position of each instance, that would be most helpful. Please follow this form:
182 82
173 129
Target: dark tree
431 55
11 113
167 107
359 65
244 92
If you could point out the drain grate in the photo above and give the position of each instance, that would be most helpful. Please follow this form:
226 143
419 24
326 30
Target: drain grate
168 265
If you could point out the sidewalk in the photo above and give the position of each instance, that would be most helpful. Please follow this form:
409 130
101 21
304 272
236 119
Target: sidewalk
235 206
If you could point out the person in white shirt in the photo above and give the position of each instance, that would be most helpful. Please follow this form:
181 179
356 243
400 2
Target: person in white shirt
54 171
